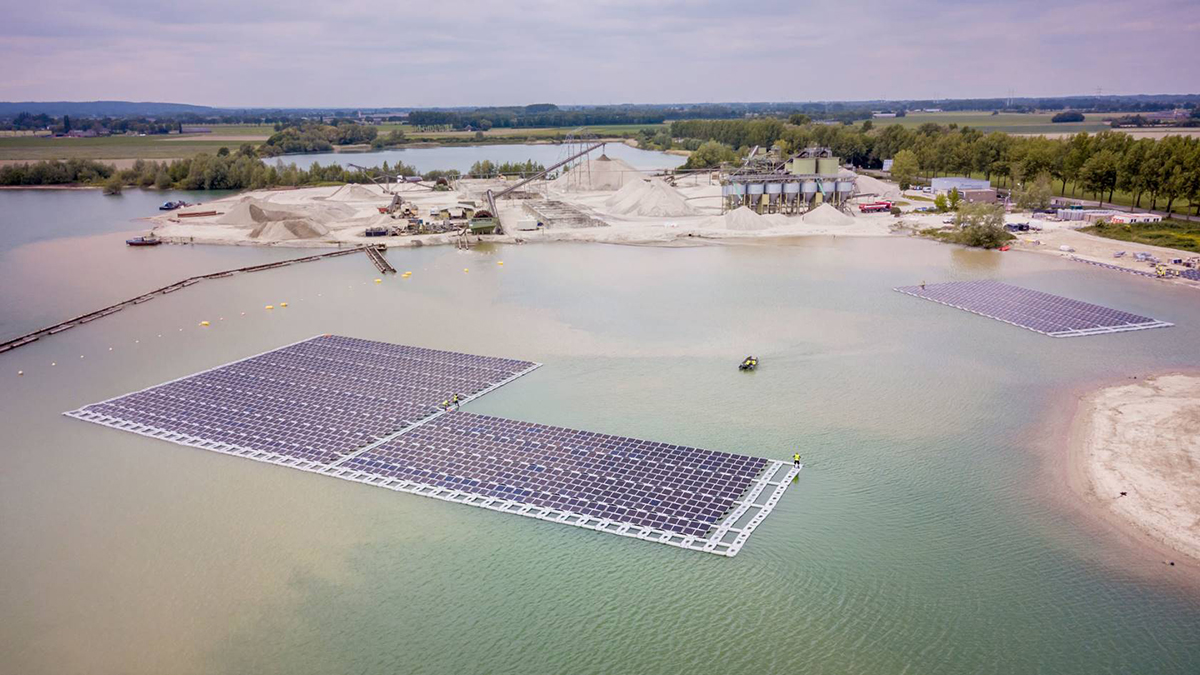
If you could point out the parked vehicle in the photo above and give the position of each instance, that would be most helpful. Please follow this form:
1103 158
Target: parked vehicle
876 207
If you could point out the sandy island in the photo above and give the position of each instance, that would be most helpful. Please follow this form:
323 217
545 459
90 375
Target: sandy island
1142 440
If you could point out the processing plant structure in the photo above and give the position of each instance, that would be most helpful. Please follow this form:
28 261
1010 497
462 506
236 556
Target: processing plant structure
802 182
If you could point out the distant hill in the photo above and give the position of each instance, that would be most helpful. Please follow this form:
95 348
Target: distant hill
100 108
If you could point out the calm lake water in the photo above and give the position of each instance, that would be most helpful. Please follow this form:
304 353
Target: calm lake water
462 157
914 541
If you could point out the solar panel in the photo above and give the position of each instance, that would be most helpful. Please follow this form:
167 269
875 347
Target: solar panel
671 487
313 402
1040 312
371 412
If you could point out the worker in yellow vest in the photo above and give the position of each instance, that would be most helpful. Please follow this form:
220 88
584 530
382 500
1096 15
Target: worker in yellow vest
796 460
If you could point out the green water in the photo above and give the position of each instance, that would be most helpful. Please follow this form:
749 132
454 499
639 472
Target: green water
917 540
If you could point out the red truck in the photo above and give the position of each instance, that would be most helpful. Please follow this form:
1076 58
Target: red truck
875 207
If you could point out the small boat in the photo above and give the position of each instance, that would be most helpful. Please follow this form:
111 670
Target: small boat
748 363
171 206
148 240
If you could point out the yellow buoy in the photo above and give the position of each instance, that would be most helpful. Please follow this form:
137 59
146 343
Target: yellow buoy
379 281
203 323
499 262
283 304
270 306
466 270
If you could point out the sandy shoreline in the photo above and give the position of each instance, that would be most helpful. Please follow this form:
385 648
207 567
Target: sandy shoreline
1142 437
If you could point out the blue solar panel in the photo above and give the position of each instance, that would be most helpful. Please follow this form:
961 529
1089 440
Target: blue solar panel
1040 312
317 400
669 487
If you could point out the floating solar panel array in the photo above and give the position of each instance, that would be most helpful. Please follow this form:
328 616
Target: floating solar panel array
371 412
685 496
1040 312
306 405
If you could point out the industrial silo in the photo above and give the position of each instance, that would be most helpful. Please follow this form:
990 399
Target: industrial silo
754 193
791 195
804 166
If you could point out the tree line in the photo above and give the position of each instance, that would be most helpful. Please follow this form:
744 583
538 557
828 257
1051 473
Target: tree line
1155 173
488 169
226 170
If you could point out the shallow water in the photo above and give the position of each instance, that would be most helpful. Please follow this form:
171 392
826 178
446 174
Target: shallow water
461 157
910 543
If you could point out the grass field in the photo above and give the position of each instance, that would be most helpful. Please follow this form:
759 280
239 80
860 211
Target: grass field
602 130
29 148
1013 123
107 147
1179 234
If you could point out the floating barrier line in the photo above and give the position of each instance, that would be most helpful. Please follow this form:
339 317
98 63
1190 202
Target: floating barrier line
171 288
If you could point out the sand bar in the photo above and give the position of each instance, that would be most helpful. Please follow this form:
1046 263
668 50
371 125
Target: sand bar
1143 439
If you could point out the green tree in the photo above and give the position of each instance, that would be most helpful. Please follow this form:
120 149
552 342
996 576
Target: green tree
482 169
982 225
1099 174
1079 149
113 185
1129 174
905 168
1033 194
162 179
66 123
710 154
941 203
953 199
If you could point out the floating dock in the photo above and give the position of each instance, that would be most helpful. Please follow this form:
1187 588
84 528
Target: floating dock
379 261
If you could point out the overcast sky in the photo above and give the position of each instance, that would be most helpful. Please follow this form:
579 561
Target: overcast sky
470 52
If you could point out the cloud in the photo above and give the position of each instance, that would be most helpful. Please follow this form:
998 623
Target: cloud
358 53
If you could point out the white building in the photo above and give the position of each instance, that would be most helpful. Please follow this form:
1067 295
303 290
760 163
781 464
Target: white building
1127 218
960 183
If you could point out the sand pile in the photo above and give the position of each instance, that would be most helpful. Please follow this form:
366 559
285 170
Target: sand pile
827 216
251 212
744 219
885 190
354 193
602 173
239 215
648 198
288 230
